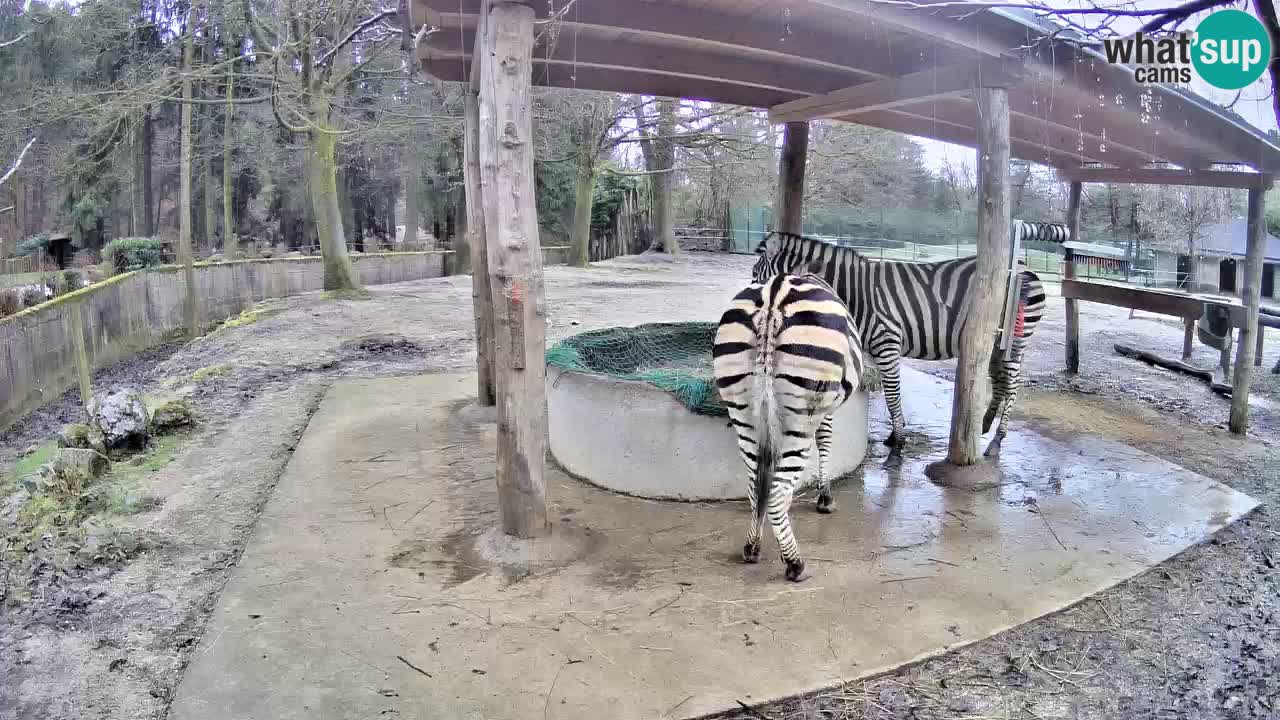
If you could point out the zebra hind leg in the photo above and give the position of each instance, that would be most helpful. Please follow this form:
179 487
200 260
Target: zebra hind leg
751 550
793 460
890 384
999 388
1011 380
826 503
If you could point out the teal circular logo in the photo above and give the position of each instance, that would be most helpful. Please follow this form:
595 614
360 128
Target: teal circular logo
1232 49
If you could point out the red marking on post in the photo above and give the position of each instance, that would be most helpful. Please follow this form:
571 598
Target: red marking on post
1022 314
517 292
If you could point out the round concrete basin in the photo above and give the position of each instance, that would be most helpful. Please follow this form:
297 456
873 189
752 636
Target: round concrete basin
637 439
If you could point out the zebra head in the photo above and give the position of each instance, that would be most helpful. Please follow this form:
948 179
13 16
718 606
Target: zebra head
761 270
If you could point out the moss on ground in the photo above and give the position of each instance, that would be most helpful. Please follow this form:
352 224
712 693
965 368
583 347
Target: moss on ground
210 371
31 463
122 491
360 294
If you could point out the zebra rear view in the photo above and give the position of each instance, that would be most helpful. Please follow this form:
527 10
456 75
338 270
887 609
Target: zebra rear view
786 356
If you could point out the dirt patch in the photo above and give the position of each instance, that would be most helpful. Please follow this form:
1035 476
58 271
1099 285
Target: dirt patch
1196 638
377 345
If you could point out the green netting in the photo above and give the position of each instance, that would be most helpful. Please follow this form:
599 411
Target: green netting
673 356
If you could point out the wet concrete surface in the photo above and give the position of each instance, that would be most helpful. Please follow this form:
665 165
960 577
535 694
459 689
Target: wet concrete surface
374 586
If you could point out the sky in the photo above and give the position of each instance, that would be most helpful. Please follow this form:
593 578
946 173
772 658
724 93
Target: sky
1254 105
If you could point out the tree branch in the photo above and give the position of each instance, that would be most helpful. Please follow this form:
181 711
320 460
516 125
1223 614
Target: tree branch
359 28
17 163
15 41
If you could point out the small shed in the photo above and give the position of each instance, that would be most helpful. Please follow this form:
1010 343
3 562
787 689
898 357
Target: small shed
1220 260
1093 257
61 249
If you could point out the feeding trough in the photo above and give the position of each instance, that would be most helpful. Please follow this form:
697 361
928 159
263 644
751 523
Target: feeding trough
635 410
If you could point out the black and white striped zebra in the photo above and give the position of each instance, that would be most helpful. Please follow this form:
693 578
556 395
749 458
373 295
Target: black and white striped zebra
917 310
786 356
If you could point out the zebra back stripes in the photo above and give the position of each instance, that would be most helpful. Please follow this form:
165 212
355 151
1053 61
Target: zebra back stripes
915 309
786 356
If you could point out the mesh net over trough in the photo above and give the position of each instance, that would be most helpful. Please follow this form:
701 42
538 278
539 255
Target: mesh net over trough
675 357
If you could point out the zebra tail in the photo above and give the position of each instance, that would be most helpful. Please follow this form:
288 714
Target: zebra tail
766 420
765 407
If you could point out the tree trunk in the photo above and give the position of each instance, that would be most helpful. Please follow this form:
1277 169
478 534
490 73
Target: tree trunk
411 170
481 296
583 195
391 216
20 206
985 298
184 199
515 268
664 151
230 243
147 145
339 273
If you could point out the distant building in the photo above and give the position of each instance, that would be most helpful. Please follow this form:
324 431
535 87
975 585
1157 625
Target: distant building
1220 259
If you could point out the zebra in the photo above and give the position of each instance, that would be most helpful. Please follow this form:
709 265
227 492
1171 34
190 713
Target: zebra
786 356
917 310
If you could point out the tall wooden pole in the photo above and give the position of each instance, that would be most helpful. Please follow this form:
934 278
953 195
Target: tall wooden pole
515 266
481 297
1069 271
795 149
1250 295
991 274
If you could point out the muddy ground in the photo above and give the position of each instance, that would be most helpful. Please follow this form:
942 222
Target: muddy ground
1198 637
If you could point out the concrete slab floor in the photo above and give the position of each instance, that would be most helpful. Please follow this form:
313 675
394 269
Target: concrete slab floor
373 587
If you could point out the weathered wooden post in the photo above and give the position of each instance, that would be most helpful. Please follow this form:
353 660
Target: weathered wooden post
1251 295
1069 272
1188 335
481 297
795 150
74 314
985 298
515 266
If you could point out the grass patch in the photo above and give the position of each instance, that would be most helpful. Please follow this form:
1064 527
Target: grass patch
86 523
210 371
31 463
250 316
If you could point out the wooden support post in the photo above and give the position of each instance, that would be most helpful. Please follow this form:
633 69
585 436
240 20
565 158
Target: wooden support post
515 266
481 297
1250 294
985 298
1188 335
75 322
795 149
1069 271
1257 348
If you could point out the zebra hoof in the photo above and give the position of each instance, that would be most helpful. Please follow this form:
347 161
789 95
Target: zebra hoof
751 553
826 503
994 448
895 441
795 570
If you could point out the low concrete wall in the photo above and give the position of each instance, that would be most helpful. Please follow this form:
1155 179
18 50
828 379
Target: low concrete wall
136 311
634 438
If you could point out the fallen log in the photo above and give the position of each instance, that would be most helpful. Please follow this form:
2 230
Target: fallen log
1175 365
1220 388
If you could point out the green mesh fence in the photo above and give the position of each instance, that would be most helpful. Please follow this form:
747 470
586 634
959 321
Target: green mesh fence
673 356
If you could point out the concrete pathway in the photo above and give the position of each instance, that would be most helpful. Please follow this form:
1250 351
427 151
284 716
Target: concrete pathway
374 587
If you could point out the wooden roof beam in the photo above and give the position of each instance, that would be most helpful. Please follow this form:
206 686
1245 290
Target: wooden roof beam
1168 176
961 134
609 48
893 92
751 37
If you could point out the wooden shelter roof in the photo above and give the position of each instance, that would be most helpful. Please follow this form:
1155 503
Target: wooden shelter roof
883 65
